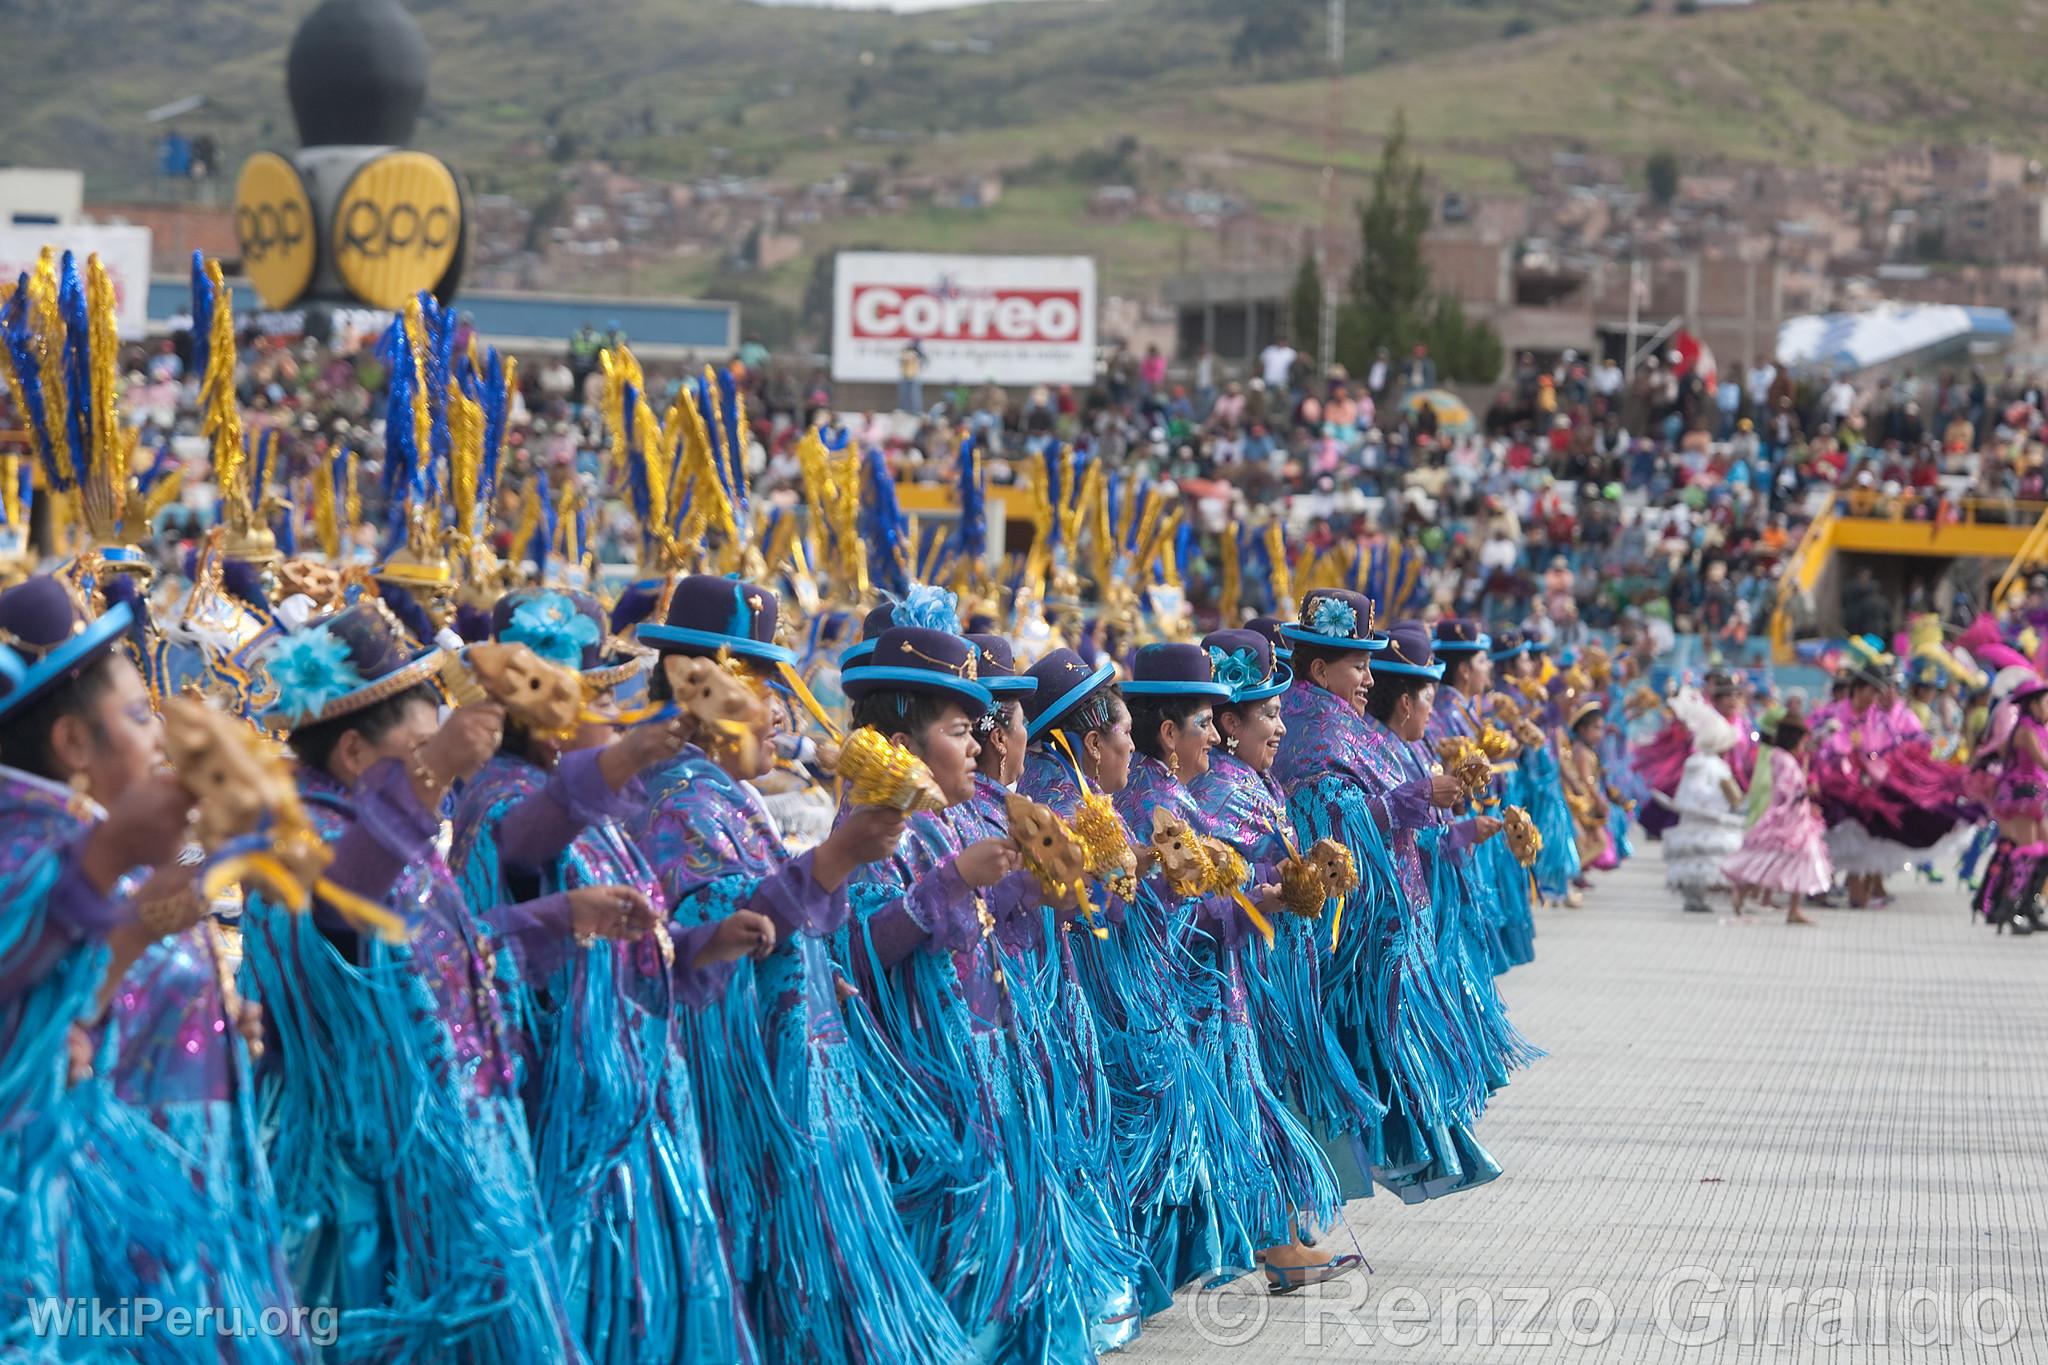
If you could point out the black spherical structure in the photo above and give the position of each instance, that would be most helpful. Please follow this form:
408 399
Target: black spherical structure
357 74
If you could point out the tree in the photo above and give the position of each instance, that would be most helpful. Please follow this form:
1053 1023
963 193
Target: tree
1661 171
1466 350
1305 305
1389 301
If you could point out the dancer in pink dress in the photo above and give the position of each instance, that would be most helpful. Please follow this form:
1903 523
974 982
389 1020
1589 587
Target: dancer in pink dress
1786 849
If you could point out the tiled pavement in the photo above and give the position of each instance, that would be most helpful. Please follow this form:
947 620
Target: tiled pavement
1852 1114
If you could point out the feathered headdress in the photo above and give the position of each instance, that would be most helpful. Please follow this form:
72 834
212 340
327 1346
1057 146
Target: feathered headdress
1712 732
59 357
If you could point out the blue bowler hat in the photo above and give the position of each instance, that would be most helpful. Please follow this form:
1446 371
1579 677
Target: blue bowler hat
1335 618
1507 644
871 627
913 659
48 642
562 627
1408 652
1243 660
999 667
1064 682
341 664
1460 637
1269 626
1174 671
708 613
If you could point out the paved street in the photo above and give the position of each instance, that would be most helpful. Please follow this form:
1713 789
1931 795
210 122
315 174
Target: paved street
1848 1117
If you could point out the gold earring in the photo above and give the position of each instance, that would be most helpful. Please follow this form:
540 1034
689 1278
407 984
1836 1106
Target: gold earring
1173 764
80 804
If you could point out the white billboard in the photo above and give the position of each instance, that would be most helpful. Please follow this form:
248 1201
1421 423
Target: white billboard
1007 319
123 250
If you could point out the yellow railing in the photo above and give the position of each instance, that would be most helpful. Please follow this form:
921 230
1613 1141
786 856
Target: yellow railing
2033 550
1801 572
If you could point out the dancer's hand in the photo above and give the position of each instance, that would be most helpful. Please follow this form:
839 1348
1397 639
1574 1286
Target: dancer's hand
986 862
609 912
1484 827
743 933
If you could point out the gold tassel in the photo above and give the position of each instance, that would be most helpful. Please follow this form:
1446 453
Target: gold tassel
1283 583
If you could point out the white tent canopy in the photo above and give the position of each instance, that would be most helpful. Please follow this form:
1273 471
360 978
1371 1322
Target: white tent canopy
1884 335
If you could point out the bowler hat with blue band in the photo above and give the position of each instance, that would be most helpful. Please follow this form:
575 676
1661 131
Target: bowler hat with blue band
708 613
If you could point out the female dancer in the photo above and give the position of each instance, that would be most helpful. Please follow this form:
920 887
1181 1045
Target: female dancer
1351 779
618 1157
1027 1268
102 1205
399 1148
1461 701
1786 849
826 1268
1236 797
1163 1106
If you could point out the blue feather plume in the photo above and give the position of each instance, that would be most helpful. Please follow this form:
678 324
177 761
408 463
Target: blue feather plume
203 302
734 472
970 534
884 527
71 304
22 346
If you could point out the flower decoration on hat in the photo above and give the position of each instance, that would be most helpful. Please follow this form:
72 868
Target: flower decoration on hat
1333 617
930 607
1237 669
311 669
551 627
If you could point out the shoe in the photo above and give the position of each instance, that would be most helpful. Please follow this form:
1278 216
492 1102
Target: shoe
1286 1279
1698 908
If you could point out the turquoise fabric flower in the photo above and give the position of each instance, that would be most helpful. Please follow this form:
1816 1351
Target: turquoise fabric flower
929 607
309 670
1334 617
1237 669
551 627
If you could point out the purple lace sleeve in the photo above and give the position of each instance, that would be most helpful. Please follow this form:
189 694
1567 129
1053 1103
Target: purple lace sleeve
536 929
792 898
699 986
939 909
75 904
1406 806
1459 837
536 831
390 830
1223 918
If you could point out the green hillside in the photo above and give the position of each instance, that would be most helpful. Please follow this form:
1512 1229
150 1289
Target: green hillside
688 87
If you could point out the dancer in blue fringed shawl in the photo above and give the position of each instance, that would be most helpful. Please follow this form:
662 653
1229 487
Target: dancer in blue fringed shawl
396 1140
1279 982
1402 701
96 1202
1385 988
1028 1268
1166 1112
1055 1022
618 1153
790 1116
1464 651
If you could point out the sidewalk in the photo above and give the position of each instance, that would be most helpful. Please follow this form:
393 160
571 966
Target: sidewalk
1848 1118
